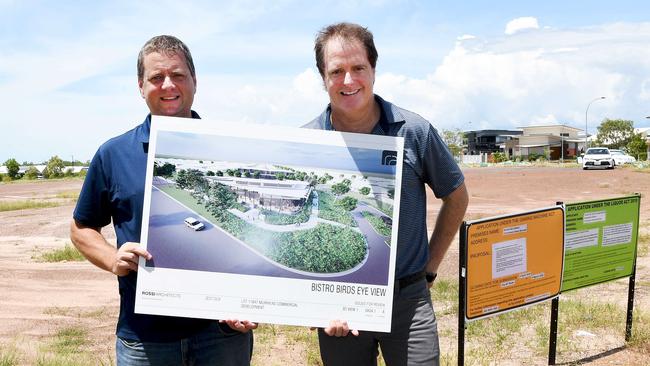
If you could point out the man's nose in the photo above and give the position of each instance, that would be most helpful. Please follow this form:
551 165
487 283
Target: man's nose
348 78
167 83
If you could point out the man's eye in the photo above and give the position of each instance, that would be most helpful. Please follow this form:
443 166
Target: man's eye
156 78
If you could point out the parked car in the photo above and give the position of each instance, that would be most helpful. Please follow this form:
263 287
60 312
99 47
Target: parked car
620 157
194 224
598 157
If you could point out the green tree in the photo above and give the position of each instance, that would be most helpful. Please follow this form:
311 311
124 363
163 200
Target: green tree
615 133
166 170
348 203
454 140
364 190
12 168
31 173
340 188
637 147
54 167
220 199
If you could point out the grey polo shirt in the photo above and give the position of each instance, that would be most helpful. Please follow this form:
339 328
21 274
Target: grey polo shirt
427 161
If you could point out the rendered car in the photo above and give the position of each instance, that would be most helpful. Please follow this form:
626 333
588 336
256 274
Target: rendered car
598 157
621 157
194 224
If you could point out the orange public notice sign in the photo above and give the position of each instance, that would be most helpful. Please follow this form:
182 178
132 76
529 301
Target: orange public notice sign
513 261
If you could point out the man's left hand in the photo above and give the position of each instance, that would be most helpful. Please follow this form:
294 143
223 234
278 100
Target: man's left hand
240 325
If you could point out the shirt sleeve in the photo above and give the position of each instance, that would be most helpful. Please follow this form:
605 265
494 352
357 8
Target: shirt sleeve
93 205
441 172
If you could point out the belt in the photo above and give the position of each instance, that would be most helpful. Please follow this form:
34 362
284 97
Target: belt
410 279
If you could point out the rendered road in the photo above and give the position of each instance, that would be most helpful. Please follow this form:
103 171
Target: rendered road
174 245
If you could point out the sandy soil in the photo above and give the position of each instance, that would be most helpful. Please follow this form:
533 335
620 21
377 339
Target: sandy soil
39 299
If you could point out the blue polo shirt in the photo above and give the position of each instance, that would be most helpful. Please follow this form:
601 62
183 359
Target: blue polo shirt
427 161
114 191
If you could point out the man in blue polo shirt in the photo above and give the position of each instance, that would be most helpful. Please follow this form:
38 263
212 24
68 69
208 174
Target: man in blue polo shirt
346 57
114 191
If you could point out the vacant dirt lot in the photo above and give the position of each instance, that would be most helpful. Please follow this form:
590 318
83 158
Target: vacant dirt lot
40 300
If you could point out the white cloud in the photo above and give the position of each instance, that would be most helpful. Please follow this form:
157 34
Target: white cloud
509 82
465 37
520 24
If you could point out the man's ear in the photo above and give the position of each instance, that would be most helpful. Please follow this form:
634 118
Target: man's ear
140 84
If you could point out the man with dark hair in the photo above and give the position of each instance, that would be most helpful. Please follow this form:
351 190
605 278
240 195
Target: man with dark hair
114 191
346 58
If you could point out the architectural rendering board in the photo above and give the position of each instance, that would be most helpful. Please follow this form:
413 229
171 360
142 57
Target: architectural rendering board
270 224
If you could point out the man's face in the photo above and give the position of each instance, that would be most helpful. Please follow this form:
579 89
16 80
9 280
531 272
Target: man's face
349 77
167 85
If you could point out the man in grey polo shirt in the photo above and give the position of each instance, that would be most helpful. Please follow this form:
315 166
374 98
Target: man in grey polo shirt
346 58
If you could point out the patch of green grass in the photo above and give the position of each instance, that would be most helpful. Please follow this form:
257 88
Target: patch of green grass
68 253
294 337
25 205
73 195
58 311
77 313
591 315
377 224
70 340
640 339
445 292
9 356
57 360
500 332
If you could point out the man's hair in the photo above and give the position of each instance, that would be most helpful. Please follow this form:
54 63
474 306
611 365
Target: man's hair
347 31
167 45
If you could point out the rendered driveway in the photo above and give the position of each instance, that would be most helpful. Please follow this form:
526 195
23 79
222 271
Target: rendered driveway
173 245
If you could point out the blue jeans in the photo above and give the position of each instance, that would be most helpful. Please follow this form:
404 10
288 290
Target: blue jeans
212 346
413 339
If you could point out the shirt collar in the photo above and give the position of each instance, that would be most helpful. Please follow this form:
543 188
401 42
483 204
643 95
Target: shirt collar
393 115
145 128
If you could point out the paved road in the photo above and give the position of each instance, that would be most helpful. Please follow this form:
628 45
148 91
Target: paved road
174 245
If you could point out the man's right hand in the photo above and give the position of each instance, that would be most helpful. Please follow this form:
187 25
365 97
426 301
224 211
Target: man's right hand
339 328
126 258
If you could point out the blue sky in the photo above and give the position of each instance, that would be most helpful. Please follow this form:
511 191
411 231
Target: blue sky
68 83
245 150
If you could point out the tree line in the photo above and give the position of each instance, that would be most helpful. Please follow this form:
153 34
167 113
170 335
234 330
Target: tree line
55 167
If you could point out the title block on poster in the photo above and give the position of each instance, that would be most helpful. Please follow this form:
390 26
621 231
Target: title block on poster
513 261
600 241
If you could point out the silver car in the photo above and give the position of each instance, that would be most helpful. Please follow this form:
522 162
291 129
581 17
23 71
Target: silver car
598 157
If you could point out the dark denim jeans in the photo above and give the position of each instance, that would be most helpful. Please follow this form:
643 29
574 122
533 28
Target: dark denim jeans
209 347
